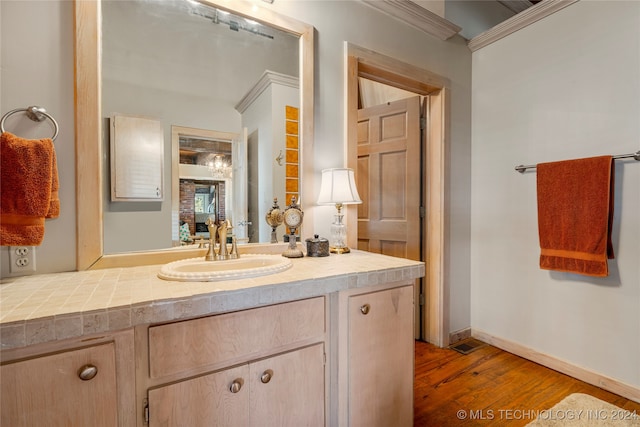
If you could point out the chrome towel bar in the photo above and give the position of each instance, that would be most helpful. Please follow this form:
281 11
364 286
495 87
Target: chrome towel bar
636 156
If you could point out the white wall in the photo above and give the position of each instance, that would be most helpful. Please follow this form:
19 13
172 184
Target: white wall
37 59
565 87
36 44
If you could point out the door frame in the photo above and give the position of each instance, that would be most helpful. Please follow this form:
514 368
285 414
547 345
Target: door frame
361 62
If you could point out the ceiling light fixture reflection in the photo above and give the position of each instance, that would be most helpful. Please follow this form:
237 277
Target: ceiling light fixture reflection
235 23
219 168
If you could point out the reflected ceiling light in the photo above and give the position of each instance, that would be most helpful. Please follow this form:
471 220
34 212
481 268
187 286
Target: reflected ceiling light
219 168
235 23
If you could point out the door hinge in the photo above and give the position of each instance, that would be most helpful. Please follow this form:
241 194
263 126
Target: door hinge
421 300
423 123
146 413
422 212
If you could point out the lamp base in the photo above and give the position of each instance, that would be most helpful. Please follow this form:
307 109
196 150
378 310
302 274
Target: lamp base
339 250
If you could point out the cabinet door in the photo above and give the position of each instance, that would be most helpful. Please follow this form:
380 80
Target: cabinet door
218 399
48 390
288 389
381 358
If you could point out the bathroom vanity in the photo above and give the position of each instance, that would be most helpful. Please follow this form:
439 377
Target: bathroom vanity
327 342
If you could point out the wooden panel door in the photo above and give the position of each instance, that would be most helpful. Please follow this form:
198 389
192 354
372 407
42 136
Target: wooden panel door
288 389
207 401
381 358
388 178
47 391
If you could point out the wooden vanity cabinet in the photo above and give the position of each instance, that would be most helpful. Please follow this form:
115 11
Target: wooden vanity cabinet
343 359
376 357
80 384
256 367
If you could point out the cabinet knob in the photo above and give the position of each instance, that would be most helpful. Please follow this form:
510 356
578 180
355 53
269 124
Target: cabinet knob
266 376
365 309
236 385
87 372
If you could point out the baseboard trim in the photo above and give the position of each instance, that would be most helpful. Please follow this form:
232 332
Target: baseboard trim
459 335
586 375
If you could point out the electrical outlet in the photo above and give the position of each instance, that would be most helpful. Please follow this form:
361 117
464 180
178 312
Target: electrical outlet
22 259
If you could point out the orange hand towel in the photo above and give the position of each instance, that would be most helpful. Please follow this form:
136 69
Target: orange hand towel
575 214
28 189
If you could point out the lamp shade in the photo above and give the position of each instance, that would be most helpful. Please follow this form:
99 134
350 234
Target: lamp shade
338 186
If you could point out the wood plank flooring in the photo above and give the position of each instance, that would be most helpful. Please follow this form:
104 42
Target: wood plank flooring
490 387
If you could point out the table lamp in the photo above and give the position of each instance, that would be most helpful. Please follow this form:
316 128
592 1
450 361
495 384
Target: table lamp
338 187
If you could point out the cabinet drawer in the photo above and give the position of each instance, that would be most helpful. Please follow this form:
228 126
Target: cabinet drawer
233 337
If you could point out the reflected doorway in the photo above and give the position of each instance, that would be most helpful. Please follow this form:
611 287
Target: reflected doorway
209 180
199 201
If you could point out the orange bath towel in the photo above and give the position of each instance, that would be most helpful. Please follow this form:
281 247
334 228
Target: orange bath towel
575 214
28 189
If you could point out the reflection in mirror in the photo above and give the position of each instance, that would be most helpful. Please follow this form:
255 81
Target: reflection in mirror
188 64
205 175
208 163
95 215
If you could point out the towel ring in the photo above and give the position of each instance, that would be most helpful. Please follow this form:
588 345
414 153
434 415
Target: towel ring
35 113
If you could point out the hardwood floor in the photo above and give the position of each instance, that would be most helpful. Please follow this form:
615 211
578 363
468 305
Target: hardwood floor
490 387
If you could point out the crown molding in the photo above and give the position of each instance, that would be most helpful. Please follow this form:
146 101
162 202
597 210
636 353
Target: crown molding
416 16
518 22
267 78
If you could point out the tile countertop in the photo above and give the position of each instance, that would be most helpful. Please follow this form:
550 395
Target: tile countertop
49 307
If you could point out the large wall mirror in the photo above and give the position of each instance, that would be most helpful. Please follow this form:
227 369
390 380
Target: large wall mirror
206 71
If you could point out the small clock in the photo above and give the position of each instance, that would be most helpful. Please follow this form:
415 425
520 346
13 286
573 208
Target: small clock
293 216
293 219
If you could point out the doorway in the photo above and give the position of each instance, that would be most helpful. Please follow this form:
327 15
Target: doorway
214 162
431 293
390 218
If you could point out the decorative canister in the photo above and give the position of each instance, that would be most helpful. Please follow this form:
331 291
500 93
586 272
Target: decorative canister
318 246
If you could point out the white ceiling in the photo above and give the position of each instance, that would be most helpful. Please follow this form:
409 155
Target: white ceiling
445 18
478 16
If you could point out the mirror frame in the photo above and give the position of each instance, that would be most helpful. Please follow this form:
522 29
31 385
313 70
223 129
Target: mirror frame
88 130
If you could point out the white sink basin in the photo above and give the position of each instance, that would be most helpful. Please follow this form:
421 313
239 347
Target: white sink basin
199 270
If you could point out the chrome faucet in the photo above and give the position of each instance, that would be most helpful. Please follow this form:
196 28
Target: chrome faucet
219 232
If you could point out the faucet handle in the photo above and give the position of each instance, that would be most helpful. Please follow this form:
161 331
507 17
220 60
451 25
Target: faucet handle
234 254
